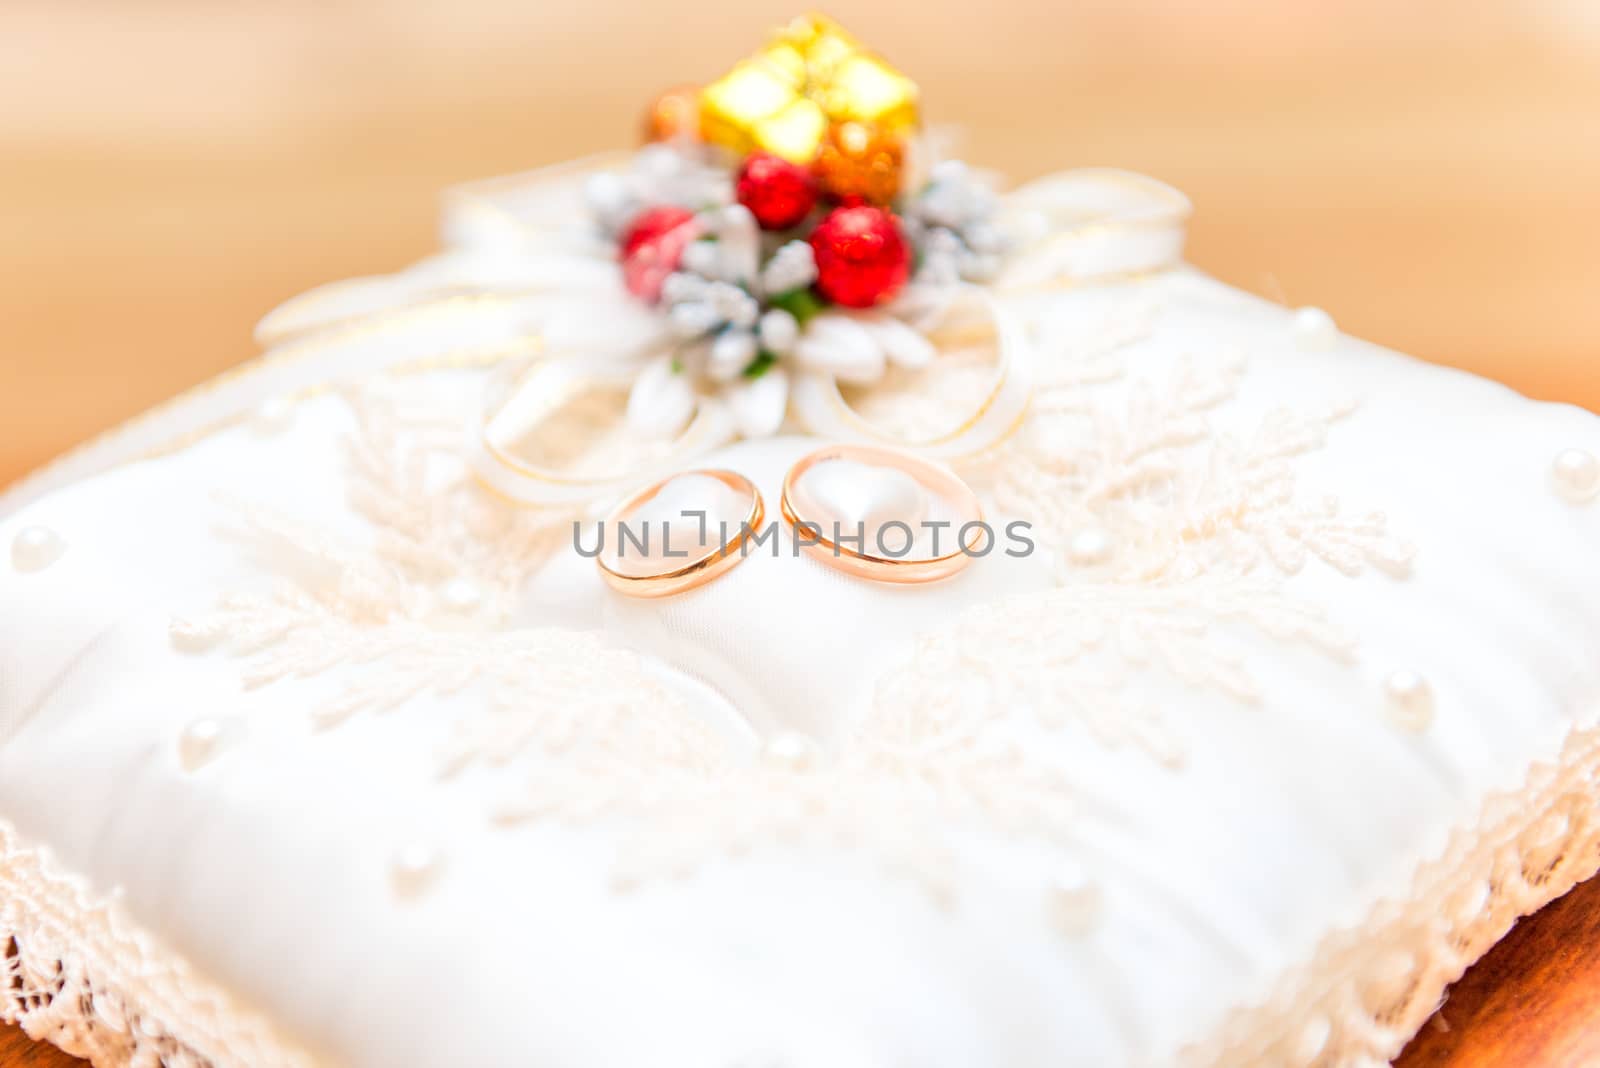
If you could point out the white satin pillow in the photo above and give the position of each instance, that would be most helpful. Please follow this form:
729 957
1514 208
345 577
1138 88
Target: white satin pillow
312 752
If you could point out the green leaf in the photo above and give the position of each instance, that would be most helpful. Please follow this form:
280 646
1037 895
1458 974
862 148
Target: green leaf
802 303
764 362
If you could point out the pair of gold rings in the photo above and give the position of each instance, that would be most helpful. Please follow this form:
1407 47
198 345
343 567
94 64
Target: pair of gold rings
870 519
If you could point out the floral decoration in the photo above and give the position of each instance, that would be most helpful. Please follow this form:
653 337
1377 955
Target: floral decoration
778 219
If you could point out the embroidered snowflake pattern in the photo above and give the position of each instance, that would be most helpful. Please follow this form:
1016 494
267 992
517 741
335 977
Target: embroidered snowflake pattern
1167 540
1192 536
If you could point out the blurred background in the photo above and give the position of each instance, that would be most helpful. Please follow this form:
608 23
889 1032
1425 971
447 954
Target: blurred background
1429 172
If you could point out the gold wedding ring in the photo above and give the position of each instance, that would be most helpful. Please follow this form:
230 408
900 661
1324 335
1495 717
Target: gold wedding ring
820 536
676 572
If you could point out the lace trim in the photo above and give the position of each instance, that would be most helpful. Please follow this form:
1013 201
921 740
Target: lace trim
1349 1008
76 972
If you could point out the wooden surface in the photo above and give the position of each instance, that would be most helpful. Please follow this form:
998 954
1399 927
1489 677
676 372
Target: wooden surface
16 1051
1532 1002
170 169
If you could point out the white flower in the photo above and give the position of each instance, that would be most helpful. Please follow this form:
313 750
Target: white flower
697 306
701 259
671 387
745 368
759 404
951 220
793 266
723 344
954 197
662 400
738 241
732 351
733 305
611 200
779 330
857 347
691 318
659 174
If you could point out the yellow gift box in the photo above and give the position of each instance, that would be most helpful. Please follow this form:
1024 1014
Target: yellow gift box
813 76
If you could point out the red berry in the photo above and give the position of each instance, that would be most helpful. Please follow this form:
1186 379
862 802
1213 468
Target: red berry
652 246
862 256
778 193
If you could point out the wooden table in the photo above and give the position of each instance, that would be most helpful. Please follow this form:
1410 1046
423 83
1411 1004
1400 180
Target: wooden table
1532 1002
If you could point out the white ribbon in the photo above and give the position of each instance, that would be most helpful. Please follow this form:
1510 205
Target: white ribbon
1092 225
547 388
822 408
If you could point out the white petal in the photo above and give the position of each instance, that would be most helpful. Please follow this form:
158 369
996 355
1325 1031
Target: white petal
842 347
732 304
759 404
731 353
700 257
739 242
610 199
692 317
925 303
661 401
779 331
793 265
903 345
681 286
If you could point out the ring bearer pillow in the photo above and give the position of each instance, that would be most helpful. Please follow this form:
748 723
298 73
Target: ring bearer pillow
320 743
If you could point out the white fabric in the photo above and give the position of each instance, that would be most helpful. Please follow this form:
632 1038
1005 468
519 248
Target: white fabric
890 918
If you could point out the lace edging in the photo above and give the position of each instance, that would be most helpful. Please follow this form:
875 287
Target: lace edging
1350 1008
76 972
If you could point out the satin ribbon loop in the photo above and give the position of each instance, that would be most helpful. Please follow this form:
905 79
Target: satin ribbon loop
994 414
1092 225
549 388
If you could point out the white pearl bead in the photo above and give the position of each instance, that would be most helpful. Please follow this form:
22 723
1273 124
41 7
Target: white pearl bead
462 595
1314 329
779 330
36 548
201 741
1410 700
1576 473
792 751
1090 547
273 415
414 867
1074 906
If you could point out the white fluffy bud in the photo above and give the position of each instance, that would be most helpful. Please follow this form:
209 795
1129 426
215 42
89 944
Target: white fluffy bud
732 304
700 257
693 317
610 201
779 330
791 267
731 353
